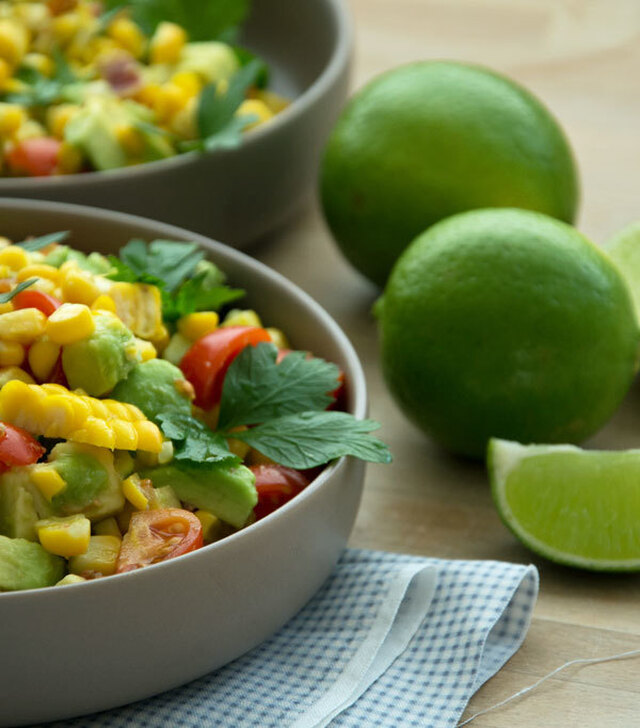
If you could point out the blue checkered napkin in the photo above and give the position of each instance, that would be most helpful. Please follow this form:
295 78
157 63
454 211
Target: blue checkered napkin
390 640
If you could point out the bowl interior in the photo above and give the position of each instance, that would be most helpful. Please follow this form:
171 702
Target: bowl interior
296 39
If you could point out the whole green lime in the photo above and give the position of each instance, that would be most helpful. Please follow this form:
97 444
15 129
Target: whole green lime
431 139
506 323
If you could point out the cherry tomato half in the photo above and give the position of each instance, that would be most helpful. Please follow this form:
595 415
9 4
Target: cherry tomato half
158 535
36 157
276 485
17 447
207 361
36 299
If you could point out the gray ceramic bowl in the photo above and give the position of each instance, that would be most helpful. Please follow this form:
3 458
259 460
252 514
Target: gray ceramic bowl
239 194
86 647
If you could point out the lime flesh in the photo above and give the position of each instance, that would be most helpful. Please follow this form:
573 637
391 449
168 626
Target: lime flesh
576 507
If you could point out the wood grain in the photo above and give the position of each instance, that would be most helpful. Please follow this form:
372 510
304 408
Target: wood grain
582 58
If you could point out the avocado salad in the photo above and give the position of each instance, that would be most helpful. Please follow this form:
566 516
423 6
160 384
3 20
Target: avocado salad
141 416
91 86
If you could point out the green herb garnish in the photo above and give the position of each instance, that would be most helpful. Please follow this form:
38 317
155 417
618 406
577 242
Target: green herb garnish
193 440
33 244
6 297
256 389
201 20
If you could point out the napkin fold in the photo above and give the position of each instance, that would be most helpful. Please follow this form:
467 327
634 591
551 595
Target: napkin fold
389 640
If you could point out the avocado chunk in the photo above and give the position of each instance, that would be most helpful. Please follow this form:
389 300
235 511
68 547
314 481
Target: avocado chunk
92 131
97 363
228 492
155 386
93 487
94 262
21 504
213 61
26 565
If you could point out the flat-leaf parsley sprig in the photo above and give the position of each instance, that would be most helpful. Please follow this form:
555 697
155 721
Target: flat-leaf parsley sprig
284 406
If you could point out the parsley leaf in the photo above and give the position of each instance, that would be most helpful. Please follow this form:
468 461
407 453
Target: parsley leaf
6 297
194 441
256 389
197 294
32 244
201 20
218 126
307 439
166 263
41 90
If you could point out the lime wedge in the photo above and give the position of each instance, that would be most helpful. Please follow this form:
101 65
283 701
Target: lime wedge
573 506
624 250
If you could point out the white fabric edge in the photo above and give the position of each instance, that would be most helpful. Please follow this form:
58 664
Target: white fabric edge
388 637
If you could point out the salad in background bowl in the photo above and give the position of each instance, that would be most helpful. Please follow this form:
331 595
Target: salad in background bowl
190 614
213 117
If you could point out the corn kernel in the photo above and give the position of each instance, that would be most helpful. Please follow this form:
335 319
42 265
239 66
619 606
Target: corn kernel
212 527
146 350
99 558
59 116
274 102
256 108
167 43
149 437
12 117
278 338
23 325
5 75
130 139
107 527
11 354
127 34
71 322
14 257
47 480
104 303
78 287
65 27
65 536
14 41
188 81
9 373
194 325
70 579
125 434
43 356
139 307
70 159
170 101
38 270
237 317
63 415
238 447
166 453
40 62
134 493
164 497
160 338
95 432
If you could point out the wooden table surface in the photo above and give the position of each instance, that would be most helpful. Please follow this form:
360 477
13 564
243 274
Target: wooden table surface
582 58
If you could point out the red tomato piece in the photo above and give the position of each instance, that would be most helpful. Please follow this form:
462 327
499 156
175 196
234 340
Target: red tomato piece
276 485
37 157
36 299
17 447
206 362
158 535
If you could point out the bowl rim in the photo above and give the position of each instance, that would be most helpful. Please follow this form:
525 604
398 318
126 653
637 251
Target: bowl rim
359 408
339 59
